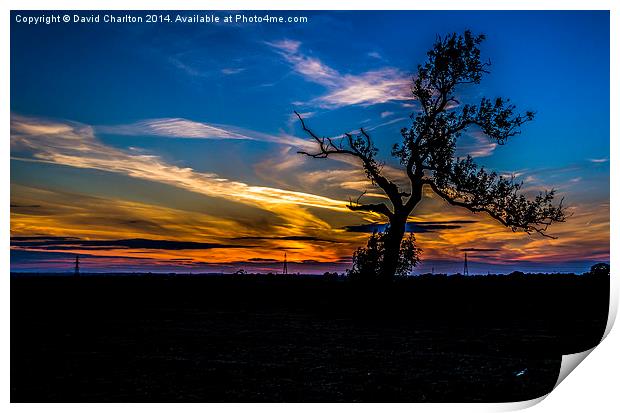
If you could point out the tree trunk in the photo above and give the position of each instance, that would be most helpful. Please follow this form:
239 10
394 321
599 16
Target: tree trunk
391 245
396 232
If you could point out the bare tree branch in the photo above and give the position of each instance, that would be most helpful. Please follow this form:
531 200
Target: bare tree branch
360 147
377 208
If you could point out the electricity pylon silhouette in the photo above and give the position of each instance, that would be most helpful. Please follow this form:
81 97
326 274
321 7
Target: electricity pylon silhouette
465 268
285 266
77 266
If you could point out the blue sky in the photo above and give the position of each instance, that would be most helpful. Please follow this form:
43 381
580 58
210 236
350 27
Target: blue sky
216 101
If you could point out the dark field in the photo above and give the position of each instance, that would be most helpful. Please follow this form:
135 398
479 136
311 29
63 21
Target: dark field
259 338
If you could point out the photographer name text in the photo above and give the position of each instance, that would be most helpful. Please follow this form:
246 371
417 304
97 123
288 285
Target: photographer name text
128 18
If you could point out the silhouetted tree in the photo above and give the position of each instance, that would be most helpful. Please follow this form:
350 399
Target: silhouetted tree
427 151
368 262
600 270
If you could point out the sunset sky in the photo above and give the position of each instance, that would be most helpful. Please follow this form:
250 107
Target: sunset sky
172 147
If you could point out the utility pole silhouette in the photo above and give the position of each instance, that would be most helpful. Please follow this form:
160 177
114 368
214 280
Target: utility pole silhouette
77 266
285 267
465 268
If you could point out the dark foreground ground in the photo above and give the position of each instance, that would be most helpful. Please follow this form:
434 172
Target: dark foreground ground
207 339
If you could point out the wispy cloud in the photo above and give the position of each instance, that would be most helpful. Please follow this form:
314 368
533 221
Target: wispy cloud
174 128
369 88
196 68
365 89
480 249
189 129
232 70
76 145
386 123
187 68
293 119
599 160
286 45
68 243
475 144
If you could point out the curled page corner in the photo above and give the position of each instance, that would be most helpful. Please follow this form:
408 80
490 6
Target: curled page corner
569 363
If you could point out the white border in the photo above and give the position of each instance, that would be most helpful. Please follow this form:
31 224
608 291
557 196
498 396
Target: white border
310 5
593 387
